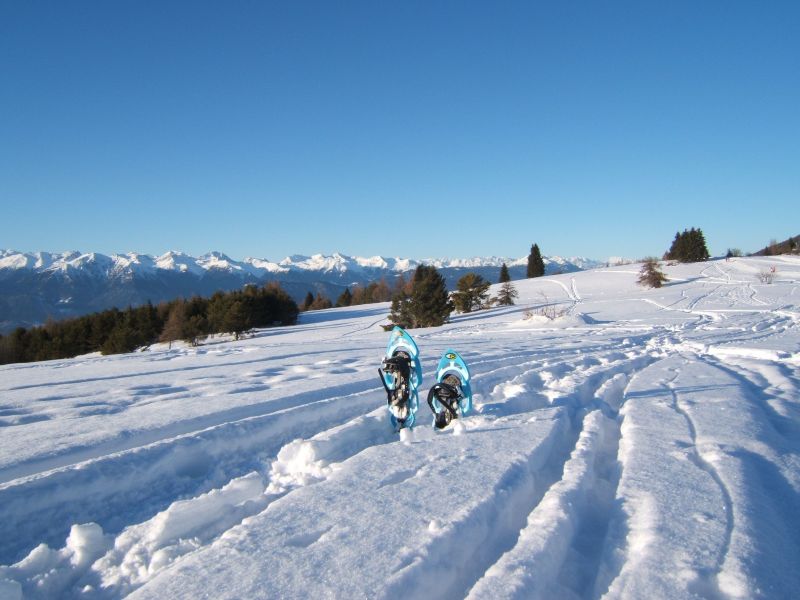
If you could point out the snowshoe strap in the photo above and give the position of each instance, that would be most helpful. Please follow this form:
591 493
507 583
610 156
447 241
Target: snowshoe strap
448 396
399 364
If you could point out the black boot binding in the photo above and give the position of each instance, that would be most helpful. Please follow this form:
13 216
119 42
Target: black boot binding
399 366
447 396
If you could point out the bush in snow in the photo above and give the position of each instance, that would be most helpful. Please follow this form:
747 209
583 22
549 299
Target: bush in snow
767 276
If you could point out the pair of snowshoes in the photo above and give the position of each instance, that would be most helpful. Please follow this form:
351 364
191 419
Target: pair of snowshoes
401 375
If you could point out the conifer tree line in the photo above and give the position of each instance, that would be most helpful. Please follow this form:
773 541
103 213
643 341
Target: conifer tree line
689 246
377 291
425 301
114 331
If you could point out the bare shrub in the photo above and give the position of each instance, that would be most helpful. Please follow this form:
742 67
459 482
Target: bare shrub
550 311
767 276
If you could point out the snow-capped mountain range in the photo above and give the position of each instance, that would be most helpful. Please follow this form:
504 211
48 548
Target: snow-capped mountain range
134 263
35 286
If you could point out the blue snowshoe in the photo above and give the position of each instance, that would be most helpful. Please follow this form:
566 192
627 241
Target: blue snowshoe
401 375
451 396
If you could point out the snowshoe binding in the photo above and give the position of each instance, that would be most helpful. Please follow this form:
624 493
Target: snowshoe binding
401 374
451 395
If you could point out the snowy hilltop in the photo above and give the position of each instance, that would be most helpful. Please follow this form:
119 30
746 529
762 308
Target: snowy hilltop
41 285
625 442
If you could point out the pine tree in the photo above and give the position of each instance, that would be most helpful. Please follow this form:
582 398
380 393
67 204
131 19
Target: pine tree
472 292
401 310
430 302
124 337
236 319
535 262
309 300
650 274
345 298
505 276
507 294
427 305
700 248
689 246
218 307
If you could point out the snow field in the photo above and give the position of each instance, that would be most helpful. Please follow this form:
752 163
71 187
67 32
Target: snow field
643 445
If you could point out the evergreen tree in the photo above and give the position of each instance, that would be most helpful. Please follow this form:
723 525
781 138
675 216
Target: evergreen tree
401 310
427 304
113 331
195 329
471 293
430 300
218 306
236 319
121 339
505 276
307 302
125 337
277 307
507 294
149 323
535 262
345 298
196 326
651 274
700 249
689 246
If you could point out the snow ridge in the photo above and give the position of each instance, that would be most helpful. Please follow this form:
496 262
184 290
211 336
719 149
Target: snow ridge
144 264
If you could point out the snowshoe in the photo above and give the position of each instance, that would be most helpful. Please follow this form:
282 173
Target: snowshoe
451 395
401 374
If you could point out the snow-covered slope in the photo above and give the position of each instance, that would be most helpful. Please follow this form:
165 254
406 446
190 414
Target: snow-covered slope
644 444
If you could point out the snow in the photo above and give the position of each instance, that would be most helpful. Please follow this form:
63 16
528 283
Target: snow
134 263
178 261
644 443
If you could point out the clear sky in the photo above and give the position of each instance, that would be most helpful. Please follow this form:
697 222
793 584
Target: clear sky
413 129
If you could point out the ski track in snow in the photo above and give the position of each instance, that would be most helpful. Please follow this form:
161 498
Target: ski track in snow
625 454
708 585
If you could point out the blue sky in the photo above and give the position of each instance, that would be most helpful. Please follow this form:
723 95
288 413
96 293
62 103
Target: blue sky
414 129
